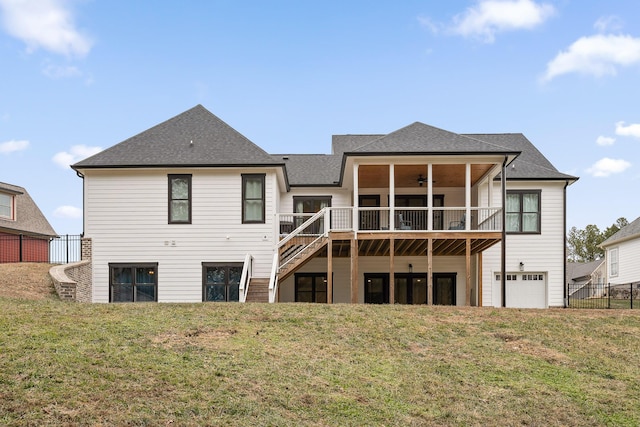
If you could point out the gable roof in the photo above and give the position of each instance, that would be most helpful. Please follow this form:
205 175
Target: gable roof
580 272
418 138
628 232
29 219
194 138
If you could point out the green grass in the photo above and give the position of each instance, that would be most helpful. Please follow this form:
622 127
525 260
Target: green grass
315 365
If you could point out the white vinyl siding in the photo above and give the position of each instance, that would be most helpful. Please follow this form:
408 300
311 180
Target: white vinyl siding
540 253
628 265
126 218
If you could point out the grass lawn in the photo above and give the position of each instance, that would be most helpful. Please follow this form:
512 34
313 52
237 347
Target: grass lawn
315 365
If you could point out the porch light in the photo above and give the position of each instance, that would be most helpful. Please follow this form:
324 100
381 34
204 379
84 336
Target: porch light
521 266
410 268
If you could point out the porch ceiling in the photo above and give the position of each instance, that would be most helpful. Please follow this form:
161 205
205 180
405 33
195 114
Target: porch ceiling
416 246
377 176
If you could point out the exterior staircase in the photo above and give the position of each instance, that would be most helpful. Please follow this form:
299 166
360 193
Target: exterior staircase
302 255
258 290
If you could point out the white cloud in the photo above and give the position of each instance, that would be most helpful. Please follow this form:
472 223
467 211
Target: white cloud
13 145
489 17
61 72
45 24
77 153
597 55
70 212
605 140
607 24
606 166
630 130
429 24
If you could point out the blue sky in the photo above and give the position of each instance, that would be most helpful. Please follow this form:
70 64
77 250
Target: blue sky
81 76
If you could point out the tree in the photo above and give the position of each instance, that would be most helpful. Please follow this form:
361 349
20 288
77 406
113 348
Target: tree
583 245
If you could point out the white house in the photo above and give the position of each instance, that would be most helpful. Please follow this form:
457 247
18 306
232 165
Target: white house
190 210
622 252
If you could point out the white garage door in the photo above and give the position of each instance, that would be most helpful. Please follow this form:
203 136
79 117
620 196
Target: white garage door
526 290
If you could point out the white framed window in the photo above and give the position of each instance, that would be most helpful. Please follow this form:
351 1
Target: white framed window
6 206
613 262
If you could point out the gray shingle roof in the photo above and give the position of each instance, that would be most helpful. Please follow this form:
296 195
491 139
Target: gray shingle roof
580 271
530 164
194 138
29 219
346 143
312 169
421 138
625 233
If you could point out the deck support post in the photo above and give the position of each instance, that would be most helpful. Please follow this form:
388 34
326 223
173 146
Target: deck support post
354 270
330 271
429 271
468 273
392 272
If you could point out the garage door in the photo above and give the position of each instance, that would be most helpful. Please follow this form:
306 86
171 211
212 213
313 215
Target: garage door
526 290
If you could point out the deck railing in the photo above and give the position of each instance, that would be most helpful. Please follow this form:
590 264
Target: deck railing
404 219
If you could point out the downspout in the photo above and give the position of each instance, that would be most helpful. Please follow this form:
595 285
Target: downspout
503 255
564 234
80 175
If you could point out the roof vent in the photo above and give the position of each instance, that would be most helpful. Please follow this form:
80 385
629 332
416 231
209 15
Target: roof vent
285 157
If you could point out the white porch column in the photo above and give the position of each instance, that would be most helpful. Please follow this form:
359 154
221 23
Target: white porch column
430 196
392 197
467 196
355 213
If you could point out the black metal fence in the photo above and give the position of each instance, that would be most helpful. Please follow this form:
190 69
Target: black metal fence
604 295
58 250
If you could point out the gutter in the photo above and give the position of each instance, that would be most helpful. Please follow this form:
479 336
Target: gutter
564 234
503 255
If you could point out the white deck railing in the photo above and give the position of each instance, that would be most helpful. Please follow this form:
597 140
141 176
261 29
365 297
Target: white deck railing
441 219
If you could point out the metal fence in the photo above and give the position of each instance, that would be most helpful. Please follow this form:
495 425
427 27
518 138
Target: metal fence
604 295
57 250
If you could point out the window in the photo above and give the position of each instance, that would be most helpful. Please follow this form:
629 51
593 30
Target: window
179 199
310 205
613 262
221 282
532 277
6 206
523 211
133 282
311 287
253 198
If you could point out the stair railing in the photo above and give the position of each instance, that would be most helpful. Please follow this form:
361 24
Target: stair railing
247 272
308 233
273 278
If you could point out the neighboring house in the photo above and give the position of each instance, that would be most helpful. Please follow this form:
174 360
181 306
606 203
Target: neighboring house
25 233
586 279
190 210
622 252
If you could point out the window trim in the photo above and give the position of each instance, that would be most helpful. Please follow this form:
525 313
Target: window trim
133 265
245 178
12 207
613 273
226 265
171 177
520 212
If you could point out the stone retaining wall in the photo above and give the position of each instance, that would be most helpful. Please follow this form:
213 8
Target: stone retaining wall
73 281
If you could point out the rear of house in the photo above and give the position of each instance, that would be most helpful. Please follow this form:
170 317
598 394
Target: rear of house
190 210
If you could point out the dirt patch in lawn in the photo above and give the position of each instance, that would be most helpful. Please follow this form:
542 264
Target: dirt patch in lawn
26 281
